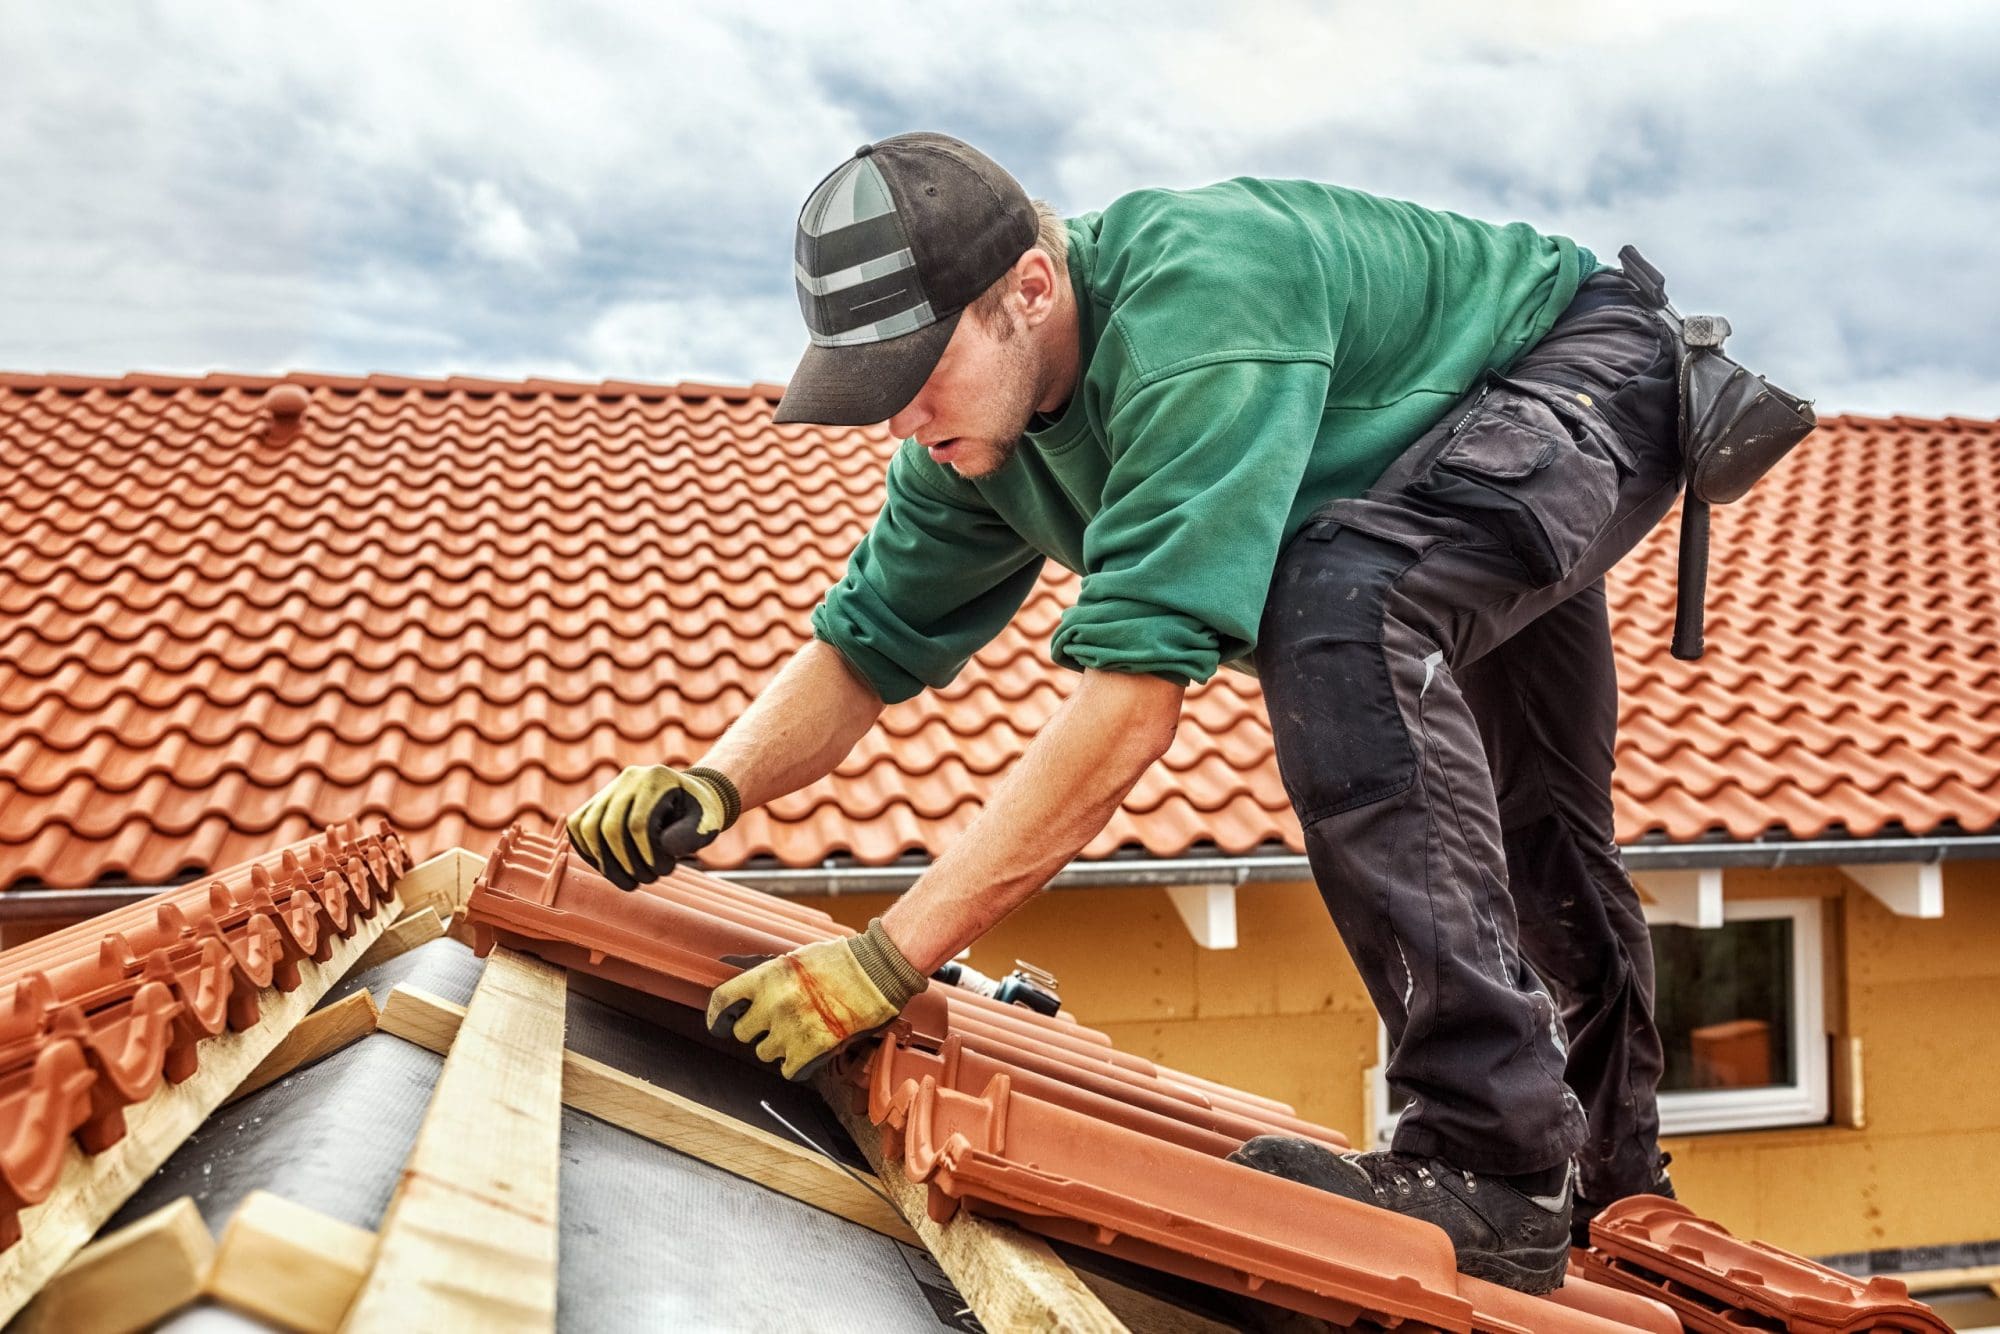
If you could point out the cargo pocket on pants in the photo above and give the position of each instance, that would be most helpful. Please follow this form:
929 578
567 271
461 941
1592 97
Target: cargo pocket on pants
1542 481
1338 730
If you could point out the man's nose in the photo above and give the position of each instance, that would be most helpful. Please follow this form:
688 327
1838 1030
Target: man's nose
910 420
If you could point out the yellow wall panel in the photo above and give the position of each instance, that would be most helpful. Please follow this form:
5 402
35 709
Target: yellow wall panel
1288 959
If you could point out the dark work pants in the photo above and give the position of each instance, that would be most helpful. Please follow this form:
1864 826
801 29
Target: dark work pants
1437 662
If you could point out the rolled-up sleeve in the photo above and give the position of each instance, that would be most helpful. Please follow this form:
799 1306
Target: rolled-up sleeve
1178 561
933 581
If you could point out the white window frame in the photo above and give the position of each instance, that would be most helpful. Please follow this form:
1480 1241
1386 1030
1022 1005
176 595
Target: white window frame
1701 1111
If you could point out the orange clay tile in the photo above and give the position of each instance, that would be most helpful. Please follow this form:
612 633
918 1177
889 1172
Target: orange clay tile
1008 1112
95 1017
233 608
1719 1284
669 939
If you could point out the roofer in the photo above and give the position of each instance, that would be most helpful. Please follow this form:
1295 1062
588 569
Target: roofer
1383 455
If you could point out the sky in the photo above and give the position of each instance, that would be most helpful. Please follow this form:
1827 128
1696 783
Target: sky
592 191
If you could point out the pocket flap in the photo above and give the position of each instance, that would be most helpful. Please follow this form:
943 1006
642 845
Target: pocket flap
1390 523
1510 434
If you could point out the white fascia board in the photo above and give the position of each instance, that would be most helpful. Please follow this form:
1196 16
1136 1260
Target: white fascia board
1209 912
1907 889
1682 898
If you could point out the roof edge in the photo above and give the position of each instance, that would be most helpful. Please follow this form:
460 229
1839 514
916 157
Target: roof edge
217 382
538 386
1267 867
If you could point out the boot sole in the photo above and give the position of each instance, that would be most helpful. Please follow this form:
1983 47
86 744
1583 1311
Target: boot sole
1535 1272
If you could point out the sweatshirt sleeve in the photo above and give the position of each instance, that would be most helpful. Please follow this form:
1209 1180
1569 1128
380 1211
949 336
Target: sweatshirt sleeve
1177 563
937 576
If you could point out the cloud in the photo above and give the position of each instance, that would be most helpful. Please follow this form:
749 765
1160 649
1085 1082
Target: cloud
596 189
496 229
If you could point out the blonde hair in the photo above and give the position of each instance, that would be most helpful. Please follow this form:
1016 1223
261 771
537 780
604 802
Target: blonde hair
1051 238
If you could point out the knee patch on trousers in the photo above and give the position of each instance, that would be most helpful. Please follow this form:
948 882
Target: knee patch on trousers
1339 733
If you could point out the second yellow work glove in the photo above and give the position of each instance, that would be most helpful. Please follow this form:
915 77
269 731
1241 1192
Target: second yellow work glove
649 817
803 1006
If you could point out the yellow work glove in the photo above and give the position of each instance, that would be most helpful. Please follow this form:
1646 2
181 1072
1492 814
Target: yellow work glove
801 1007
649 817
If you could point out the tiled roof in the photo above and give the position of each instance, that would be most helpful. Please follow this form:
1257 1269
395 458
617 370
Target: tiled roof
1036 1118
464 603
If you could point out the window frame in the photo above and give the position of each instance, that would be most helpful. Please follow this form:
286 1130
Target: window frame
1807 1102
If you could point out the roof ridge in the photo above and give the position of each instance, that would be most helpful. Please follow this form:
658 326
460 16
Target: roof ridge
529 387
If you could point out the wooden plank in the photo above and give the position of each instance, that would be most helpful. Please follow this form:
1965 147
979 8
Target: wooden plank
470 867
1143 1313
1011 1280
320 1033
665 1117
92 1186
129 1280
469 1241
433 884
404 934
290 1265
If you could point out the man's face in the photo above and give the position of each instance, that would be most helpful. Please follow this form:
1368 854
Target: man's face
979 399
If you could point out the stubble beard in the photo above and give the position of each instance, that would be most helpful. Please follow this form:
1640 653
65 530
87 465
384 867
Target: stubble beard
1023 388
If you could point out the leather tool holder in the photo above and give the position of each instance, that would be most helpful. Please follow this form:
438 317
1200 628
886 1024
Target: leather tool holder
1734 427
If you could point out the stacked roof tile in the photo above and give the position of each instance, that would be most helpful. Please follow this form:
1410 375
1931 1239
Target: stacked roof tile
98 1015
1014 1114
236 607
1717 1284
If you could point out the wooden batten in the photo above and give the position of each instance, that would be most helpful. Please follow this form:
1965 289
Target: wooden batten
469 1241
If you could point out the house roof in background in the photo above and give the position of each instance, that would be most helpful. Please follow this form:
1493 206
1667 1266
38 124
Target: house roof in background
234 608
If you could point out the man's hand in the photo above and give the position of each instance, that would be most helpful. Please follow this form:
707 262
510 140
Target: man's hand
649 817
806 1004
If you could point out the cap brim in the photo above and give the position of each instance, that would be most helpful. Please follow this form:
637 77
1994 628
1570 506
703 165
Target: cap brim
866 383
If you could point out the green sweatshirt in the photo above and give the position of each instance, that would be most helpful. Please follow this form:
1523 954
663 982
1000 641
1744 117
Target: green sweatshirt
1250 350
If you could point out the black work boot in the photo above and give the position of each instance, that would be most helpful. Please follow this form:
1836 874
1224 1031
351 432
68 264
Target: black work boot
1500 1233
1586 1209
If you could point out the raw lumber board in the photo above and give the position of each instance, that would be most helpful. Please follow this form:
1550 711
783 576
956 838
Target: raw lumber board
1012 1280
290 1265
404 934
129 1280
469 1242
440 883
92 1186
679 1123
318 1034
1144 1313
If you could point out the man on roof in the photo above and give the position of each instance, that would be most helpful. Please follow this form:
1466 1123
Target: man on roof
1378 454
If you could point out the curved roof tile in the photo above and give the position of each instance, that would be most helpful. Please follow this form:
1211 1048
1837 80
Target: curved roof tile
461 603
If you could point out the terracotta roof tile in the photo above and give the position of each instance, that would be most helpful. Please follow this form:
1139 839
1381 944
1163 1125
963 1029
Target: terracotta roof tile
1014 1114
1718 1284
466 602
97 1015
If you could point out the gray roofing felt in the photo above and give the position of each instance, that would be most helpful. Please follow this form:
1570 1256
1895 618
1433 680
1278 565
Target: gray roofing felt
649 1238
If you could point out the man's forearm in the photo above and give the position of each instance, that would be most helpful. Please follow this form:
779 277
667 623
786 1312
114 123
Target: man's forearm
798 729
1059 796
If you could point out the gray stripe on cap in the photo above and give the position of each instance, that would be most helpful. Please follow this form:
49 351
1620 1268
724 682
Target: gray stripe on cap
907 321
846 198
855 276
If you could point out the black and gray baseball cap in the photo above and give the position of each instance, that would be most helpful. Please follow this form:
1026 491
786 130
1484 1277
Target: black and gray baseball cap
891 248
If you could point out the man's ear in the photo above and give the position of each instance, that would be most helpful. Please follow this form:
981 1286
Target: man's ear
1038 279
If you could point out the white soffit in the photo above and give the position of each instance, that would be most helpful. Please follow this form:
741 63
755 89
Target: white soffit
1907 889
1682 898
1209 912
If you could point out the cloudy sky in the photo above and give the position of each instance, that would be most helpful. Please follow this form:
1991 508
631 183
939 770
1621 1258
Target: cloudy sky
591 191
